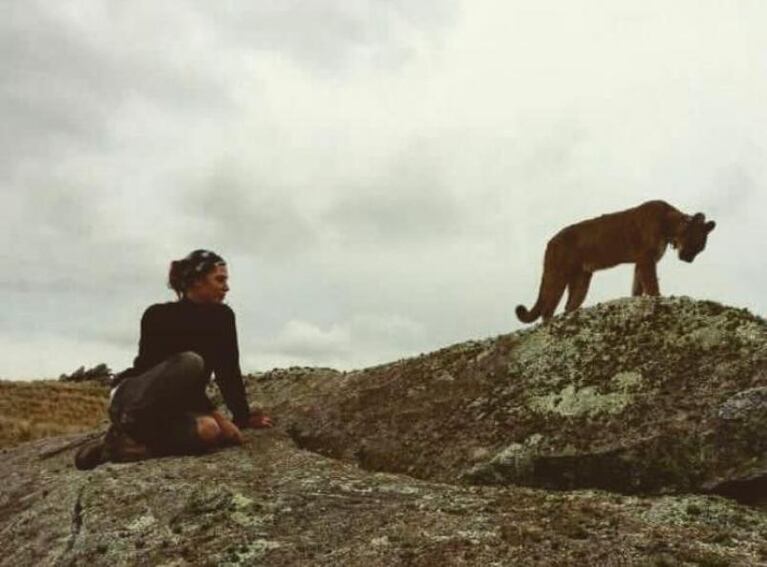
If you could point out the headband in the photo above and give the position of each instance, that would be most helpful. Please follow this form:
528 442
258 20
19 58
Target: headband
202 261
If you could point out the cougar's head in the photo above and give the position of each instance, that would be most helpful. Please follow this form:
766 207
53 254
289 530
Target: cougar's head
692 236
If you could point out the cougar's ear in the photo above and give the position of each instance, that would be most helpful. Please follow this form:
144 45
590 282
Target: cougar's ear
699 217
710 225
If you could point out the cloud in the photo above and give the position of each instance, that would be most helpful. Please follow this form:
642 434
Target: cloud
300 339
381 176
407 203
362 341
50 356
332 35
69 71
243 212
732 191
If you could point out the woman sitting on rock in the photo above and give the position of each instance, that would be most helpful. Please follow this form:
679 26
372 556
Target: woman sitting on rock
159 406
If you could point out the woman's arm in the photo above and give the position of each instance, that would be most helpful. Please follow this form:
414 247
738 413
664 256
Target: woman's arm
149 344
227 370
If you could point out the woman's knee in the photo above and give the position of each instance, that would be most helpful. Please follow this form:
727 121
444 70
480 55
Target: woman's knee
189 363
208 430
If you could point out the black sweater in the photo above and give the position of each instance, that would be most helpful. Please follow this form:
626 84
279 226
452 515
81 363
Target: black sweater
207 329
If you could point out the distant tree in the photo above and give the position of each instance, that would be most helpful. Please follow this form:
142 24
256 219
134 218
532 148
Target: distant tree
100 373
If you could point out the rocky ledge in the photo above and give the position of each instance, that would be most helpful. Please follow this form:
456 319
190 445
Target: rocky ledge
636 396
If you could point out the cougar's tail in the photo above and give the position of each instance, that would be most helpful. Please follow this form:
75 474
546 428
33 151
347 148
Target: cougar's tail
529 316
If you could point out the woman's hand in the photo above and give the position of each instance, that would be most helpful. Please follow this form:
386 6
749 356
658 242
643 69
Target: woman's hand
230 433
259 420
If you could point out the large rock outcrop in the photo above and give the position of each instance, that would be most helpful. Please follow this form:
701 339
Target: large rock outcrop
634 396
596 439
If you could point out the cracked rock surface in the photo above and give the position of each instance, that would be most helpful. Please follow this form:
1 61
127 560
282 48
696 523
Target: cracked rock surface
269 503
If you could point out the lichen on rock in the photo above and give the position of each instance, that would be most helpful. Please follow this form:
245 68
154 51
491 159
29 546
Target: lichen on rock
625 393
586 401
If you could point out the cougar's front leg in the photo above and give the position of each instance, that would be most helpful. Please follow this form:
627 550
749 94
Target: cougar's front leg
636 288
648 277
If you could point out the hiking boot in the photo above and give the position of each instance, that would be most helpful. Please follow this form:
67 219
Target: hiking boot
91 455
113 446
122 448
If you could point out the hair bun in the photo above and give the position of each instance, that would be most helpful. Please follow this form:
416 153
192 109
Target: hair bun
197 263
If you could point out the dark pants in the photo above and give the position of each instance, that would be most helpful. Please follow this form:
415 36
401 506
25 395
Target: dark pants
159 407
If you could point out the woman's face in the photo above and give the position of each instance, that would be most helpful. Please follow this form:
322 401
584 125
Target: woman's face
210 288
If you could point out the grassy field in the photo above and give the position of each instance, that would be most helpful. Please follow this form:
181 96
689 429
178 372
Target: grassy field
42 408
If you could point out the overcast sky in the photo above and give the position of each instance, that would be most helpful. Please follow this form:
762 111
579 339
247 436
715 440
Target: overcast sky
381 176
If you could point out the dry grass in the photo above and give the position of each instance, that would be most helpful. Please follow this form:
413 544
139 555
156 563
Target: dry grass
43 408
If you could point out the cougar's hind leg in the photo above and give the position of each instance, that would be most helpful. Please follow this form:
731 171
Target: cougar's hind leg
577 288
546 280
551 297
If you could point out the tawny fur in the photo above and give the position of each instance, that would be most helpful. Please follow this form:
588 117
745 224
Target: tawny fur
638 236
